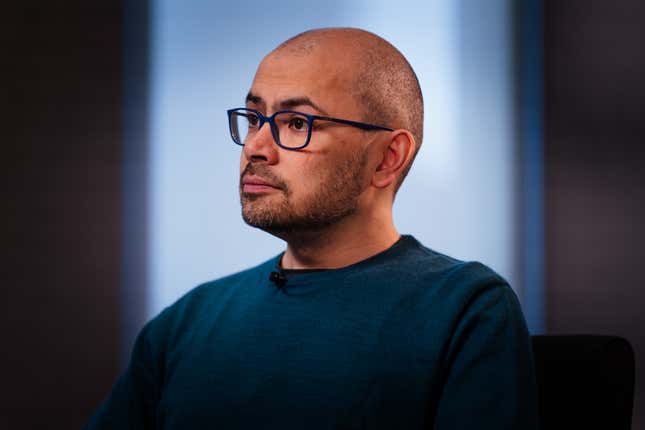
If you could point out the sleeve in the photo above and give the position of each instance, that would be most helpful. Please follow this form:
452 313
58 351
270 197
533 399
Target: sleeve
132 402
489 379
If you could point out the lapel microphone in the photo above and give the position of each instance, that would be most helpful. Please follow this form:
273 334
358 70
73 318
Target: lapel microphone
278 278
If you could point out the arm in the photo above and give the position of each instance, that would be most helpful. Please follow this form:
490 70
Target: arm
489 376
132 402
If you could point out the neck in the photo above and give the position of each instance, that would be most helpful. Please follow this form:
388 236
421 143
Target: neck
345 243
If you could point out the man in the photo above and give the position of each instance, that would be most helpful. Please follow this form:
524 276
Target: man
354 325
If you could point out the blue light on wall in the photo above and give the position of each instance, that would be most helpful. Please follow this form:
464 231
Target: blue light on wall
532 188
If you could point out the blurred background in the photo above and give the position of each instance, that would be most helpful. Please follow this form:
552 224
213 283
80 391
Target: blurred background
120 186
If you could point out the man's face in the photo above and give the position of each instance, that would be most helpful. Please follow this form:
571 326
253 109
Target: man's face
285 191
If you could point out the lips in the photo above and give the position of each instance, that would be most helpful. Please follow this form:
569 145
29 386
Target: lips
255 184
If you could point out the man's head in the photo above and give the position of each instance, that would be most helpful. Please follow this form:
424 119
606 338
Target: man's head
344 171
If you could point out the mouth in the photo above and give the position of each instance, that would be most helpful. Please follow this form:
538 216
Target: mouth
257 185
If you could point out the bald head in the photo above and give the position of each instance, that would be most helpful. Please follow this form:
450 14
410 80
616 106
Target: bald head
381 80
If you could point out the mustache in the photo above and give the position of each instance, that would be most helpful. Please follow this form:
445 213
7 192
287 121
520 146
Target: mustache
265 173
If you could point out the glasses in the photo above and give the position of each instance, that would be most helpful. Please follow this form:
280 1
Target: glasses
290 129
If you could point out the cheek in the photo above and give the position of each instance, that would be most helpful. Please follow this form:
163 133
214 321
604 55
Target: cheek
243 162
303 178
315 171
300 180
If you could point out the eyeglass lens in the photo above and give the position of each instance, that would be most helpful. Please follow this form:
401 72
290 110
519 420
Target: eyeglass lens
292 128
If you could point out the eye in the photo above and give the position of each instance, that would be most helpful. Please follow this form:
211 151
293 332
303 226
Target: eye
298 123
252 119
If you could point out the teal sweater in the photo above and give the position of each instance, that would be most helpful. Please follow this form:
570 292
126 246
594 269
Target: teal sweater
408 338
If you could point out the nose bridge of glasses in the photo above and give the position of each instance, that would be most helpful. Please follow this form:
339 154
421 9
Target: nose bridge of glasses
263 119
260 135
272 126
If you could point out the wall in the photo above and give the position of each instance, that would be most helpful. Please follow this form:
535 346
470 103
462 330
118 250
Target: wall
61 192
594 176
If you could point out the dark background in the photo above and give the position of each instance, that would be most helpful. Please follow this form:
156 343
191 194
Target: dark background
62 152
594 164
63 134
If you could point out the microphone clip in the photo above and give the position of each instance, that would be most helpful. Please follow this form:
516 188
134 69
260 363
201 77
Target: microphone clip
278 278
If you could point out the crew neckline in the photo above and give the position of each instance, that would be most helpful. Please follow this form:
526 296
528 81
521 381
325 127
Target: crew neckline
303 277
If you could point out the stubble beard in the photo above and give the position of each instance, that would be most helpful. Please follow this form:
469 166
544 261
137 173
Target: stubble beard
334 199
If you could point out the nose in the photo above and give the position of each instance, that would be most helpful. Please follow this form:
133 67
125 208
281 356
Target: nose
261 147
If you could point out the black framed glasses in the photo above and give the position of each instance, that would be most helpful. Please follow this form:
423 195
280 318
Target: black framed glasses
290 129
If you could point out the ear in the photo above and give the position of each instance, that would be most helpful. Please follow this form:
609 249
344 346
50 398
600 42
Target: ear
397 154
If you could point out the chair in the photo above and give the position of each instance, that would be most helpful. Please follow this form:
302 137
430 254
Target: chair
584 381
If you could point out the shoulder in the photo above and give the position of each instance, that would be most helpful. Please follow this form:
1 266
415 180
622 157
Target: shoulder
185 314
442 273
458 300
450 288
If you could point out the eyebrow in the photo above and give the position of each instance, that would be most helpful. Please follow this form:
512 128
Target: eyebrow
287 103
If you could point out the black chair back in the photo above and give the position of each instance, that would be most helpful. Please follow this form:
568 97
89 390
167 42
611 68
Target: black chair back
584 382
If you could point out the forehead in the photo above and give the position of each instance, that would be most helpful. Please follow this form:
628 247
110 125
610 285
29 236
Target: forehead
324 79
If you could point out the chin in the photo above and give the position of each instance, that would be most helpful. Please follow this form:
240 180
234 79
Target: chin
259 215
282 220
